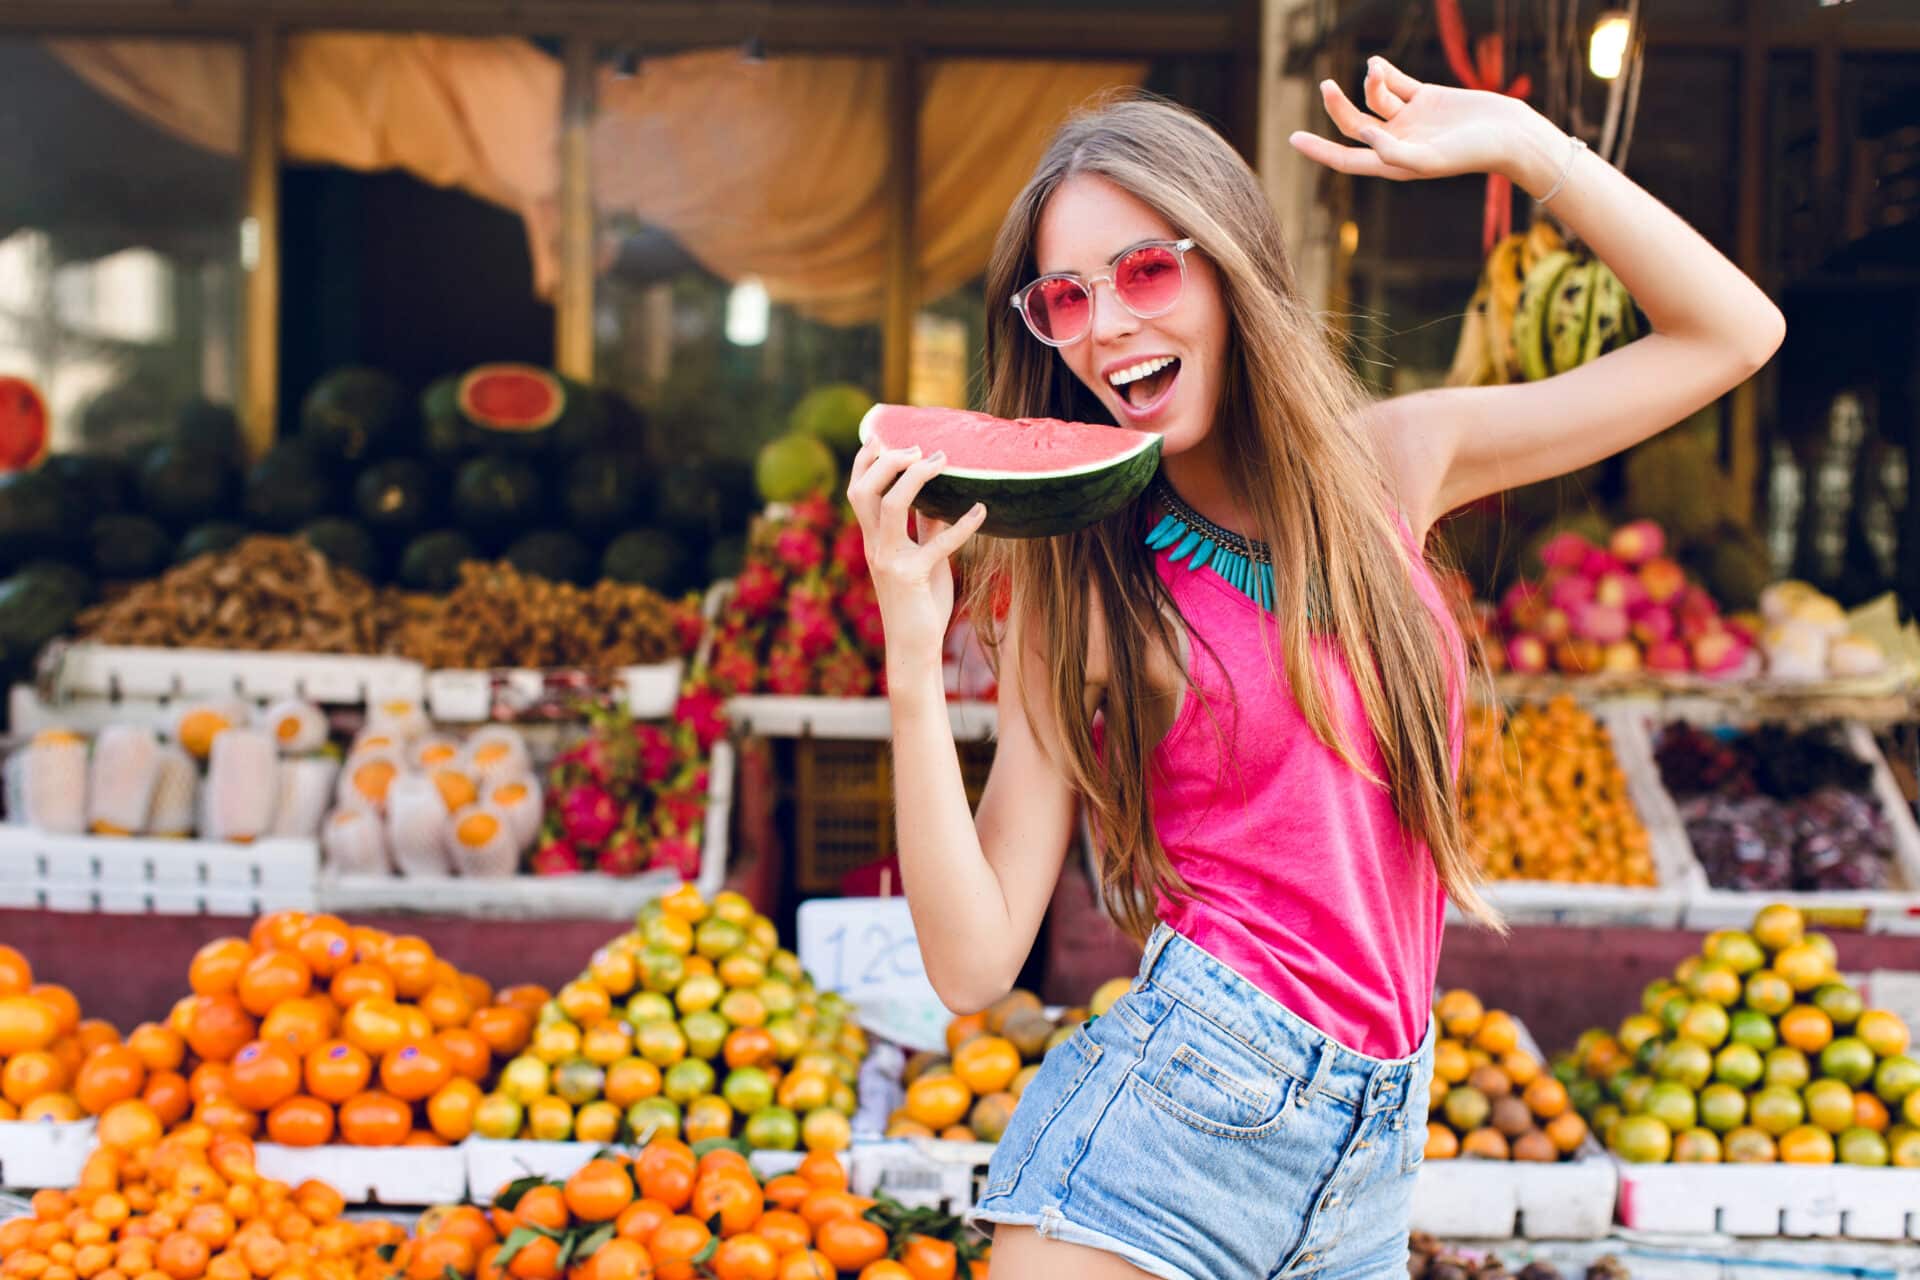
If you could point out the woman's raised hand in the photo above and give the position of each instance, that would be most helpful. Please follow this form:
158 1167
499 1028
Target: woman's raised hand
1418 130
912 578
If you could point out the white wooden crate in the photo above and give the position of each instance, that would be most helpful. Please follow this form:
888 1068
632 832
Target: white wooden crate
372 1175
470 697
1771 1200
138 875
115 671
921 1172
43 1153
865 719
587 896
1498 1199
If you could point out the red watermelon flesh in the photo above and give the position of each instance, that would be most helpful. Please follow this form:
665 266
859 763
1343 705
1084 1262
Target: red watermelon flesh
511 397
1037 476
23 424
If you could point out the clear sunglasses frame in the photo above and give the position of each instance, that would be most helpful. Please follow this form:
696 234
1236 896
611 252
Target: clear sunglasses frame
1180 249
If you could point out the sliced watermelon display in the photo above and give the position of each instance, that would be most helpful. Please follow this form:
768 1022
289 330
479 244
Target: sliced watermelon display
23 424
1038 476
511 398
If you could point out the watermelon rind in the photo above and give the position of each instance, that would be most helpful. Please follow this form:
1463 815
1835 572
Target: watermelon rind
1034 504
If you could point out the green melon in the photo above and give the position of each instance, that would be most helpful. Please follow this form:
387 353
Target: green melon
1037 476
553 554
181 485
287 488
396 498
70 578
793 467
34 609
496 499
346 544
129 547
209 538
833 413
353 414
432 561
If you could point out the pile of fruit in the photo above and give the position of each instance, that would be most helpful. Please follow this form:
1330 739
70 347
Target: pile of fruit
695 1022
45 1049
1755 1051
969 1094
1776 809
223 772
803 617
1621 608
311 1030
1807 636
1539 310
630 796
1429 1259
674 1214
188 1205
1490 1097
1545 799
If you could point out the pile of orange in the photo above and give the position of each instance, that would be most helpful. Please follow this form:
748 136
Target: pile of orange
311 1030
671 1215
186 1206
1544 798
1490 1097
53 1064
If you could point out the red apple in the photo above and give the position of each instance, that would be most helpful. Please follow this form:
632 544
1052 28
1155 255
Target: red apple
1638 542
1663 579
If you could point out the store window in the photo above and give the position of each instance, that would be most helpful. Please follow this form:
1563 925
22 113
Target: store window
121 213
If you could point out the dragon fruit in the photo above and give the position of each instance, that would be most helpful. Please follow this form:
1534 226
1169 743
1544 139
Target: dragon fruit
815 512
788 670
678 853
655 753
1565 551
681 809
756 591
624 855
556 858
588 757
735 669
702 709
810 622
588 814
690 624
798 549
850 551
846 673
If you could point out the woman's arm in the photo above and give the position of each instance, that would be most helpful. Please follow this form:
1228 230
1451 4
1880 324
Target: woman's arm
1712 327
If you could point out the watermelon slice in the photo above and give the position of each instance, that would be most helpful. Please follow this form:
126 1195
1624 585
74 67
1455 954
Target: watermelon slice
1038 476
23 424
511 397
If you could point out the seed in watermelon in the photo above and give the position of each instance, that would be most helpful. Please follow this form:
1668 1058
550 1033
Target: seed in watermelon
793 467
1037 476
23 424
510 406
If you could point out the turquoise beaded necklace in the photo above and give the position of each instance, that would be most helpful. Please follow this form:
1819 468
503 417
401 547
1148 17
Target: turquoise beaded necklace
1241 563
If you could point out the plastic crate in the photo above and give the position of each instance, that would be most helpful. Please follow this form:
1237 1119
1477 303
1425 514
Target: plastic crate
470 697
1771 1200
372 1175
42 1153
136 875
116 671
843 804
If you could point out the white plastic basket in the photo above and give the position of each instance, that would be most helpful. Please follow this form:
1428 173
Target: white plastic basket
1771 1200
649 692
134 875
864 719
43 1153
372 1175
588 896
126 671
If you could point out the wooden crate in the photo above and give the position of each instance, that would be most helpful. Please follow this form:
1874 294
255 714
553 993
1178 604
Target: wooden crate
843 804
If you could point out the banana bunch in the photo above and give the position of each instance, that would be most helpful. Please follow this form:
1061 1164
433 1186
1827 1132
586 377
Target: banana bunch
1485 353
1571 310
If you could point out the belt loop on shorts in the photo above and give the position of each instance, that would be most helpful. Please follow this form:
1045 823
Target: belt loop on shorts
1156 944
1323 1064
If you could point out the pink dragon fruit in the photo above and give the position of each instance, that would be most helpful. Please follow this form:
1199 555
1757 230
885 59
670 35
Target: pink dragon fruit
734 668
798 549
1568 594
815 512
702 709
680 809
588 814
1600 623
1520 607
1652 623
810 622
788 670
624 855
757 590
656 753
556 858
845 673
850 551
690 625
1565 551
588 757
679 853
1598 563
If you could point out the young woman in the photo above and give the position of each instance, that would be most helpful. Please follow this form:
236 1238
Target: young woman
1266 742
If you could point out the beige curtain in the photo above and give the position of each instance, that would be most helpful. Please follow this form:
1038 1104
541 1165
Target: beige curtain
776 170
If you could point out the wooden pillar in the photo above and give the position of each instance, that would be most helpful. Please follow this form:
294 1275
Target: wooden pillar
903 185
573 301
1749 217
260 243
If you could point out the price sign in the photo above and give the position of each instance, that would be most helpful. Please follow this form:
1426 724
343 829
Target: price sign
866 949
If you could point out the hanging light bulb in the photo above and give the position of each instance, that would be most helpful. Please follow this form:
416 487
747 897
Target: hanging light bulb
1607 49
748 311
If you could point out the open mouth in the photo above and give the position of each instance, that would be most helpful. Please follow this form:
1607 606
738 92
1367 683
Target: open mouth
1145 386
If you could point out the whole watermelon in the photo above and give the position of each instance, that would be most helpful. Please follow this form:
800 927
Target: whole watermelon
650 557
604 492
202 424
36 518
396 498
553 554
99 483
181 485
432 561
128 547
291 486
346 544
496 499
705 498
443 432
353 414
34 608
207 538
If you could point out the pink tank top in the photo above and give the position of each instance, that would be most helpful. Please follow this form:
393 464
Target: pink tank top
1303 879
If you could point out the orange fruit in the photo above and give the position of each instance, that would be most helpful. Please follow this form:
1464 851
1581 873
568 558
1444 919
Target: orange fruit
300 1121
987 1064
375 1120
823 1169
1884 1033
506 1029
210 1080
446 1006
31 1075
336 1071
885 1269
263 1075
745 1257
218 1027
375 1025
1806 1028
159 1048
270 978
358 981
326 944
537 1259
450 1111
965 1028
278 929
211 1223
300 1025
16 975
26 1025
639 1220
543 1206
787 1192
620 1260
182 1256
128 1126
666 1170
598 1191
784 1230
95 1033
437 1255
167 1093
630 1080
938 1101
58 1107
112 1074
810 1264
410 961
926 1258
675 1244
415 1072
1442 1142
215 968
1806 1144
1498 1033
851 1243
733 1196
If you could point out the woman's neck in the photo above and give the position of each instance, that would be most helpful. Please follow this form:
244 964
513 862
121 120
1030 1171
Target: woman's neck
1197 475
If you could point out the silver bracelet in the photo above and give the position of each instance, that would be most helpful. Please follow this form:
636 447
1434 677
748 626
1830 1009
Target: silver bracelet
1578 146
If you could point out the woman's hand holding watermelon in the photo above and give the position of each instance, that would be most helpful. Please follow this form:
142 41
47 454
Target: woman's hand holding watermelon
912 578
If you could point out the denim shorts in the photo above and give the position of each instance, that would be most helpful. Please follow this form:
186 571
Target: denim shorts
1201 1131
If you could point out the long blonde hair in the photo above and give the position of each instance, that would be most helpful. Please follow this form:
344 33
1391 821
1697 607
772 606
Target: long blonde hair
1304 474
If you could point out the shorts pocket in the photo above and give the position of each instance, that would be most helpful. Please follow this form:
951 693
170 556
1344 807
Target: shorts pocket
1222 1093
1065 1069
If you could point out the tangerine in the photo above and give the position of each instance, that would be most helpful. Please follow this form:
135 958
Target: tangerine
674 1246
300 1025
300 1121
375 1120
415 1072
26 1025
159 1048
358 981
600 1189
271 978
218 1027
262 1075
216 967
451 1110
336 1071
746 1256
851 1243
